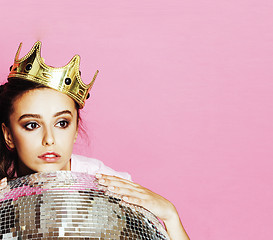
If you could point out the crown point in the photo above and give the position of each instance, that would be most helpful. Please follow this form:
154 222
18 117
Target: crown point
18 51
67 81
38 43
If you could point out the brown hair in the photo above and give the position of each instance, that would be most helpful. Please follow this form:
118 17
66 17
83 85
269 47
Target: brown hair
9 92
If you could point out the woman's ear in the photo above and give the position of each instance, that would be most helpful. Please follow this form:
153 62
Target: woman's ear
8 137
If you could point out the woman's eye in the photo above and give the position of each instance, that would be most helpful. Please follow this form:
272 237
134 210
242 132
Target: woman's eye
62 124
31 126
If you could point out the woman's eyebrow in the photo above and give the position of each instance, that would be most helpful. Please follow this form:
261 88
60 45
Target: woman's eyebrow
63 112
29 116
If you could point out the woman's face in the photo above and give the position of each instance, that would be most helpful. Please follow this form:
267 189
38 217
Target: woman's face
43 130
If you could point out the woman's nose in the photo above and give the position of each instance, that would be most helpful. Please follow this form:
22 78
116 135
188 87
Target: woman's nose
48 138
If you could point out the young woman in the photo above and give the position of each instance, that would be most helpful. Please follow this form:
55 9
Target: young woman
40 119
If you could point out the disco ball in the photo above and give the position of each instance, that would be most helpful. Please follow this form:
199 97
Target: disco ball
69 205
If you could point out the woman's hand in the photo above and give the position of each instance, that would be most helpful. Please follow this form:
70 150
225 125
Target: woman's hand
136 194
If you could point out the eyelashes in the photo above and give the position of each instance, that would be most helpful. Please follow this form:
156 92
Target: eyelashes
63 124
30 126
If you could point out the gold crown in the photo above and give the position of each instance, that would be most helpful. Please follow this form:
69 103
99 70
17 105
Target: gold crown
66 79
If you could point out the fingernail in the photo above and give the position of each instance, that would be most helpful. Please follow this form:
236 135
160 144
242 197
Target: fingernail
98 175
125 198
101 181
111 188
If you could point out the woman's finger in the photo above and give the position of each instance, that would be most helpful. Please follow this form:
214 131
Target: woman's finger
108 180
133 200
111 178
128 191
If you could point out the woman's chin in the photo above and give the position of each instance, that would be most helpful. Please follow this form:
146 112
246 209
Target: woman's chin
49 168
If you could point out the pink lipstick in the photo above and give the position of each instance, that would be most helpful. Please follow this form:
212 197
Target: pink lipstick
50 157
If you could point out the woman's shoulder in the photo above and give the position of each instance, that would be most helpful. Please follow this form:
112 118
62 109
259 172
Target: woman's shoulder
92 166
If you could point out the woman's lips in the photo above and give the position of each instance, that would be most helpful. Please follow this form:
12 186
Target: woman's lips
50 157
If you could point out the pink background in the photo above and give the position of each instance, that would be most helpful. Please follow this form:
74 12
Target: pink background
183 100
